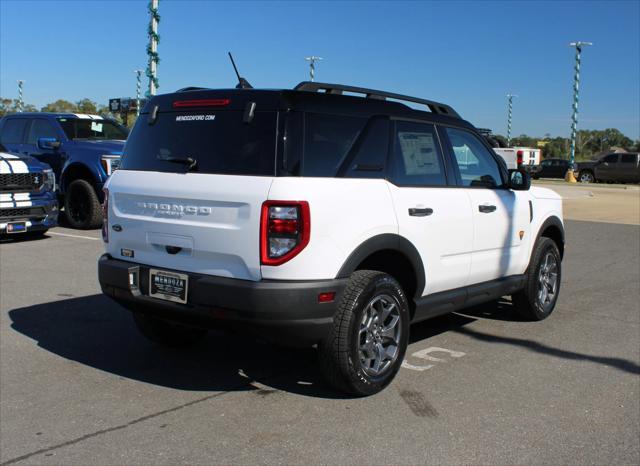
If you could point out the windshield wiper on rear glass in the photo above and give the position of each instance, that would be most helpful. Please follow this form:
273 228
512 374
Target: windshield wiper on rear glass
189 161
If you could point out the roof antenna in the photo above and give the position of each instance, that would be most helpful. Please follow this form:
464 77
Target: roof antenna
242 83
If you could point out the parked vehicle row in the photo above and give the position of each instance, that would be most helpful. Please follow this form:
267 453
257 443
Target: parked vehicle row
313 217
82 150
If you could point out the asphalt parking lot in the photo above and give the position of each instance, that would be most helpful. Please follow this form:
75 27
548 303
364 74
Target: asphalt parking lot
78 385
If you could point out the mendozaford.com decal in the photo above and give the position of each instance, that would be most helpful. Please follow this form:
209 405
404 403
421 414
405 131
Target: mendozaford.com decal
195 117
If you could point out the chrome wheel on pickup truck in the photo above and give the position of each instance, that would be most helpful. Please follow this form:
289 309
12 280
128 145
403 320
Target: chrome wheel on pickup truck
586 177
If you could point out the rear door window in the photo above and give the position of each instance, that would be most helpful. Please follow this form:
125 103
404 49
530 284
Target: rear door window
219 143
611 158
417 159
13 131
628 158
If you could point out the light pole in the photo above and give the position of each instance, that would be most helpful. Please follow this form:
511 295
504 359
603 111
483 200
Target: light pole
312 65
510 110
20 100
570 177
138 85
152 48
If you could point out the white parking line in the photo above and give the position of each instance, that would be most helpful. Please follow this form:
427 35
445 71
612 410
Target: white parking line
72 236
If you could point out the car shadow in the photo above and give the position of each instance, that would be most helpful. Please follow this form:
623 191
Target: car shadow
95 331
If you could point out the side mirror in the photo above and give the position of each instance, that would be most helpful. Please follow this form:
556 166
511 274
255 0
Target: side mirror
48 143
519 180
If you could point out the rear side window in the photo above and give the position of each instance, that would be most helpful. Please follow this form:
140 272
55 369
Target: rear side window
327 141
477 166
628 158
219 143
417 160
13 131
40 129
370 151
611 158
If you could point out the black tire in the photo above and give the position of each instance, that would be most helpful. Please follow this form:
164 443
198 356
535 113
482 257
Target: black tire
532 302
165 333
82 207
586 176
369 293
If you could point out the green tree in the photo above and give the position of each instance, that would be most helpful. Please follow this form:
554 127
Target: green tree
87 106
61 106
11 106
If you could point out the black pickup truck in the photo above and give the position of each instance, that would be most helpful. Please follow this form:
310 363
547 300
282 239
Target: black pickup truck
615 167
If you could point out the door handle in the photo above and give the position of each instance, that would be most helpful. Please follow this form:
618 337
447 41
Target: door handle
487 209
420 212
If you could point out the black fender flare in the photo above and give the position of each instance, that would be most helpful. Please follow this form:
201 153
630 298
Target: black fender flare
556 222
386 241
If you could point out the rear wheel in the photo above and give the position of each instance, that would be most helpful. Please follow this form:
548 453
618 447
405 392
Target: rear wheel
586 177
369 338
167 333
82 207
540 294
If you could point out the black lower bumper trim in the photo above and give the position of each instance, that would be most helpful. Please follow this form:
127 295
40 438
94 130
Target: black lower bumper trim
281 309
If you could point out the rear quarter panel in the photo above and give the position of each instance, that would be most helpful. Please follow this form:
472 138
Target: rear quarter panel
344 214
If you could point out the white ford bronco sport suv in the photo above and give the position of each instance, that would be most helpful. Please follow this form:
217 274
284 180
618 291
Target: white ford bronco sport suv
313 216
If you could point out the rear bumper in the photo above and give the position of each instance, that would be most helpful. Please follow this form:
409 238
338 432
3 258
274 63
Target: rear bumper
286 311
38 212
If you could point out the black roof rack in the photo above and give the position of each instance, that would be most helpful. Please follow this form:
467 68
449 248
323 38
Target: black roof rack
434 107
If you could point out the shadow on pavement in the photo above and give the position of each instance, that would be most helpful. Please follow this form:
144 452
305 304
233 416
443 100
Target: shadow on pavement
95 331
622 364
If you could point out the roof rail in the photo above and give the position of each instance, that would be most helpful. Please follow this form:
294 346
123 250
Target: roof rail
434 107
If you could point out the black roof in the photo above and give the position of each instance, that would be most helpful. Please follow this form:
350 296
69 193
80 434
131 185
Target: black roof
315 97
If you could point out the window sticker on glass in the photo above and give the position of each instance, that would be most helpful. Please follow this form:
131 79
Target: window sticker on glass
419 153
97 127
195 117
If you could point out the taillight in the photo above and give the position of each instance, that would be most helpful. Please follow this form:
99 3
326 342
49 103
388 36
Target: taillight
520 155
285 228
105 215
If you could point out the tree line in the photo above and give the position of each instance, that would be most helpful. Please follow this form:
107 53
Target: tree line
588 142
63 106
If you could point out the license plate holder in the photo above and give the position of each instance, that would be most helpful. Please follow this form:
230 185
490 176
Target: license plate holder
168 286
16 227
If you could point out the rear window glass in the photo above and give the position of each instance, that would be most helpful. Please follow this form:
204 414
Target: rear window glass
219 143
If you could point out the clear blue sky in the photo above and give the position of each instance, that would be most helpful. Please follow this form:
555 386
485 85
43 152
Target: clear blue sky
467 54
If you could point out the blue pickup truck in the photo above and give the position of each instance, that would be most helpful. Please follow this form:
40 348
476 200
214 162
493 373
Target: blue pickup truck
28 202
83 150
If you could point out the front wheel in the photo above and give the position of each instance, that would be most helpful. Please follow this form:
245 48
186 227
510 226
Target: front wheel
81 206
538 298
366 346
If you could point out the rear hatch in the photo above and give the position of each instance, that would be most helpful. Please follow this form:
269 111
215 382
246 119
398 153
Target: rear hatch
195 172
